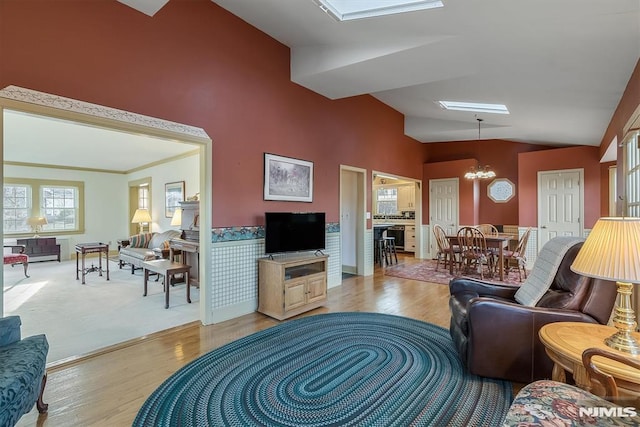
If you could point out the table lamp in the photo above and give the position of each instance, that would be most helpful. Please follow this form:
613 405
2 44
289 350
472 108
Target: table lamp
140 217
612 252
36 223
176 219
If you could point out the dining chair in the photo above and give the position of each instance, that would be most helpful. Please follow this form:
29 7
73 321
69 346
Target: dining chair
446 251
518 256
474 252
488 229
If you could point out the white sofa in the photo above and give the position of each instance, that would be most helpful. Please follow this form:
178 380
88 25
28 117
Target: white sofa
145 247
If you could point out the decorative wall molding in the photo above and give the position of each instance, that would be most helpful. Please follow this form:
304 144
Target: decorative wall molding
17 93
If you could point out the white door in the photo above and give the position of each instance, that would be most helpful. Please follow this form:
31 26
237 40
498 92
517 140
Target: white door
443 207
560 207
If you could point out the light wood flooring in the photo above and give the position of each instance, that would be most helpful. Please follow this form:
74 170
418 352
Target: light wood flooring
108 388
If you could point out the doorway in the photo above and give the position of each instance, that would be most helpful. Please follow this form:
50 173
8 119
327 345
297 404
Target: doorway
560 207
397 201
30 102
352 220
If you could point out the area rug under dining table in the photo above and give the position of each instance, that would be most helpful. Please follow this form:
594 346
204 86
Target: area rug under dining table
346 369
425 271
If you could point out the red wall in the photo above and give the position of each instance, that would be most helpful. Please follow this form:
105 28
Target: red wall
197 64
500 155
561 158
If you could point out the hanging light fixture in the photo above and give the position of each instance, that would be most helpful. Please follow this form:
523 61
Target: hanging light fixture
480 172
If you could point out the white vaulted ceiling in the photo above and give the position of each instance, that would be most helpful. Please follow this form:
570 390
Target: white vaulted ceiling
560 66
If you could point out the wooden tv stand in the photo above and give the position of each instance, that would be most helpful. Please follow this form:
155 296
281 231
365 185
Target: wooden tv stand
288 287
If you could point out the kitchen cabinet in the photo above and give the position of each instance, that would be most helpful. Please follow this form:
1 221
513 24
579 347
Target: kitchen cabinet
289 287
410 238
406 198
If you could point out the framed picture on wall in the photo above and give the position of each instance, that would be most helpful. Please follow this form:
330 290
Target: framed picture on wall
287 179
173 195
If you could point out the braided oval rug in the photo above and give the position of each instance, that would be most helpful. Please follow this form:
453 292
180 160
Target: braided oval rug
338 369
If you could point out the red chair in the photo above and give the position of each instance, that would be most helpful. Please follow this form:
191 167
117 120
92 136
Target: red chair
17 257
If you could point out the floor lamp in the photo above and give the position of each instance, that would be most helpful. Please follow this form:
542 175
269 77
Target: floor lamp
612 252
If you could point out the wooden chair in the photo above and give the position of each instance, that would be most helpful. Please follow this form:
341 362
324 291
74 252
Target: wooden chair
488 229
446 252
474 251
606 380
14 258
518 256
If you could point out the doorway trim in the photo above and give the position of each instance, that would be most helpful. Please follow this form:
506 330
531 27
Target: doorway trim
450 228
44 104
361 222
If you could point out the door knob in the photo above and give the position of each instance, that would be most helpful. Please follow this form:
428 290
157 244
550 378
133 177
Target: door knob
544 226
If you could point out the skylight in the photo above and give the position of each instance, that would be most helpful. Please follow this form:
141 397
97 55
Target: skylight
474 107
345 10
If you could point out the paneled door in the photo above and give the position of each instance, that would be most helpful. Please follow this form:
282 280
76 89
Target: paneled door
443 208
560 206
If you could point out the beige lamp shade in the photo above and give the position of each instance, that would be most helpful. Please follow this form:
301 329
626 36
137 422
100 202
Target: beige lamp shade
611 251
37 221
140 216
176 219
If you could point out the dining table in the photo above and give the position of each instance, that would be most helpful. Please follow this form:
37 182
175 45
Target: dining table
499 241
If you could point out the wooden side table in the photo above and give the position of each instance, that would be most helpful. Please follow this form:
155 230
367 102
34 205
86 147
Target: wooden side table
91 248
564 343
168 269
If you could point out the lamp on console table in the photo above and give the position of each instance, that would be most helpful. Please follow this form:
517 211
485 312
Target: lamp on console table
612 252
140 217
36 223
176 219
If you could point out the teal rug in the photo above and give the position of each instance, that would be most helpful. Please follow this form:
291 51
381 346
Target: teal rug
339 369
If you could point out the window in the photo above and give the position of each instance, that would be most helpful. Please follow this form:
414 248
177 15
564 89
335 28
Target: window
143 196
60 202
17 208
387 201
501 190
60 207
632 168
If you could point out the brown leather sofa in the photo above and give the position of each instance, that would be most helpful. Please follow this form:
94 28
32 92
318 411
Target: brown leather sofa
498 337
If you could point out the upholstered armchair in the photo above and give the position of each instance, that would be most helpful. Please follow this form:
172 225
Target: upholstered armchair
497 336
22 371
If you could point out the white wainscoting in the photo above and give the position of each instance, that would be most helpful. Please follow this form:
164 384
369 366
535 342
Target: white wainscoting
234 274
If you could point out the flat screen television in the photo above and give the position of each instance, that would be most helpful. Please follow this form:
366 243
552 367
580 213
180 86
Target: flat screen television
294 232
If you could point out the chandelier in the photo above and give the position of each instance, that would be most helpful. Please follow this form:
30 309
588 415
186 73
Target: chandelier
480 172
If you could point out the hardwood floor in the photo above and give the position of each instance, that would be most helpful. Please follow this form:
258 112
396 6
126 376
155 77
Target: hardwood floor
108 388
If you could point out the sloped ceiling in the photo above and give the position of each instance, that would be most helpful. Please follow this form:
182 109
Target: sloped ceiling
560 66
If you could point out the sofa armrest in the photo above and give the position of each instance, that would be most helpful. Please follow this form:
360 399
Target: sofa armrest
467 285
9 330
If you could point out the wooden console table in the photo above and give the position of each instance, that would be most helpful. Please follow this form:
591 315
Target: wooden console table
291 286
566 341
91 248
